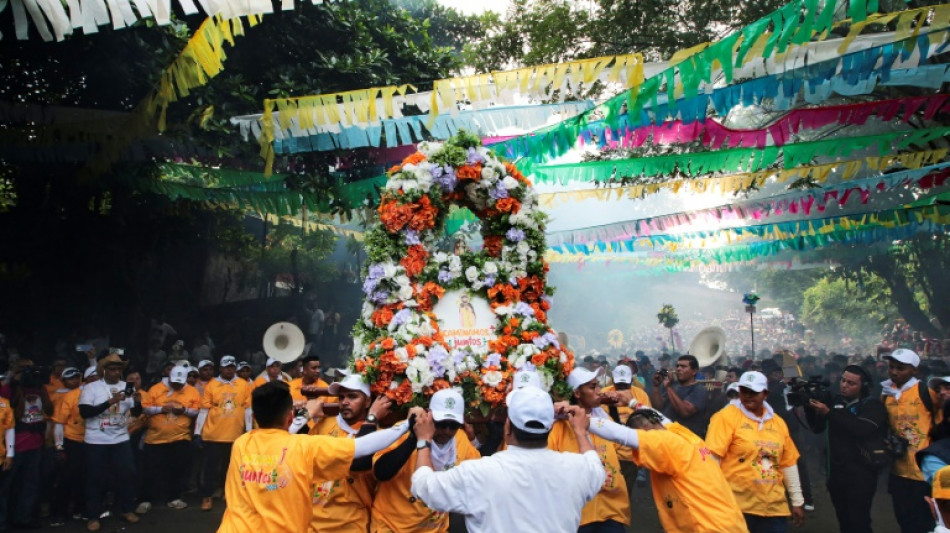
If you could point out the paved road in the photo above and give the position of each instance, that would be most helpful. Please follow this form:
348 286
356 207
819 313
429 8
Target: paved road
192 520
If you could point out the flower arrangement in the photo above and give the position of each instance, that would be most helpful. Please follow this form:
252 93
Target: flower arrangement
750 298
397 342
667 316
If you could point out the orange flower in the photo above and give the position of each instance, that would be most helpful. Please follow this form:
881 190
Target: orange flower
381 385
440 384
469 172
430 291
411 350
414 159
531 288
539 359
360 365
401 394
503 293
514 322
494 395
382 317
508 205
394 216
516 174
415 260
394 170
423 215
493 245
388 343
529 336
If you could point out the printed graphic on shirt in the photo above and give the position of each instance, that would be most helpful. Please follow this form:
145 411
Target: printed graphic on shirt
766 461
227 403
267 471
908 426
323 491
610 482
32 410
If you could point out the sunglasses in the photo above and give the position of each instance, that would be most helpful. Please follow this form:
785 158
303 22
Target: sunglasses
447 425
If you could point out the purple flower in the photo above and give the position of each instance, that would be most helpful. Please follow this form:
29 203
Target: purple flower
474 157
524 309
493 359
412 237
515 235
546 339
445 276
379 297
489 280
513 280
400 318
369 285
376 271
445 177
498 192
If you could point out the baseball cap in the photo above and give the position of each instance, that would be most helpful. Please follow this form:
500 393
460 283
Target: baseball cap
228 360
530 409
243 364
754 381
941 485
350 382
206 362
933 383
447 404
71 372
271 361
905 356
622 374
580 376
525 378
91 371
179 374
733 387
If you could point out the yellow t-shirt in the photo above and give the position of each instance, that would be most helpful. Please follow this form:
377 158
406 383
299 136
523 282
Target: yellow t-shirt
67 414
271 477
396 509
226 402
611 502
342 505
6 422
169 427
297 384
623 452
753 459
690 492
910 419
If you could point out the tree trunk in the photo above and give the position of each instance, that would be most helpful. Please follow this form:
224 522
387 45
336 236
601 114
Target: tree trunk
902 295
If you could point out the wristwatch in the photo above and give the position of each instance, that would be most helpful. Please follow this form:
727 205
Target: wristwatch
370 419
423 444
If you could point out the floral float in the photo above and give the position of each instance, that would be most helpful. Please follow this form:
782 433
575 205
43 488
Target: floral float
398 345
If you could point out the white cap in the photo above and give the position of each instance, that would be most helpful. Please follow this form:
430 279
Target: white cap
903 355
271 361
243 364
580 376
622 374
179 374
91 371
351 382
530 409
524 378
733 387
228 360
205 362
754 381
70 372
933 383
447 404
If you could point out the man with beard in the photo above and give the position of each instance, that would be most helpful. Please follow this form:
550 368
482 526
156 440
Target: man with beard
395 509
680 398
343 505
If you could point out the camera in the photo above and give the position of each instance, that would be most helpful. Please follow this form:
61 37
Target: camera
33 377
129 390
815 388
663 372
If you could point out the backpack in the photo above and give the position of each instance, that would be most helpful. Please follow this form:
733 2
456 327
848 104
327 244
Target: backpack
878 452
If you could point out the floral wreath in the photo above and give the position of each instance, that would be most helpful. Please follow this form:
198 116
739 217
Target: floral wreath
398 346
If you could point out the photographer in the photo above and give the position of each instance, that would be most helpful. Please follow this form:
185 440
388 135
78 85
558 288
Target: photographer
679 397
853 419
31 404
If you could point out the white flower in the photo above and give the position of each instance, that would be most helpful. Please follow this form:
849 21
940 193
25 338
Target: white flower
455 264
503 310
471 274
492 378
402 355
489 173
471 190
522 355
410 185
419 374
440 257
393 184
523 247
402 280
510 183
389 269
405 293
490 268
547 380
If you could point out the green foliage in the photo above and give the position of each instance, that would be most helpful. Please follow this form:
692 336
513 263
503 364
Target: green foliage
837 307
667 316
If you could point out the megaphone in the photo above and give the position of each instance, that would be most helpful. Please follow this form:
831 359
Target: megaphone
284 342
708 346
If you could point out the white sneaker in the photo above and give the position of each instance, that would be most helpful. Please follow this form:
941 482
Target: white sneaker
177 504
143 508
809 507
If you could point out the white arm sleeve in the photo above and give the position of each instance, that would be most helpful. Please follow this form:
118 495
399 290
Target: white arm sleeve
58 431
299 422
793 485
248 419
614 432
191 413
10 438
152 410
200 423
379 440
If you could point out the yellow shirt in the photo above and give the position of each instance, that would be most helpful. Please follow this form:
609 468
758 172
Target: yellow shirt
67 414
640 395
910 419
342 505
396 509
271 477
169 427
6 422
611 503
690 492
297 384
226 402
752 459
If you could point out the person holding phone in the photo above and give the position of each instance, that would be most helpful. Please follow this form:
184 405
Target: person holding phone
106 409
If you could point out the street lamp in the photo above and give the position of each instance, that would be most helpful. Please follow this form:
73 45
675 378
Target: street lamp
750 299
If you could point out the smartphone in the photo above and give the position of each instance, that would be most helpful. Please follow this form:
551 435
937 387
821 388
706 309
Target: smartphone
83 347
129 390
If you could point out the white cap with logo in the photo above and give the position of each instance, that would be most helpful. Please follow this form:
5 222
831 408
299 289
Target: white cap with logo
351 382
447 404
905 356
526 378
271 361
179 374
580 376
754 381
228 360
205 362
530 409
91 371
622 374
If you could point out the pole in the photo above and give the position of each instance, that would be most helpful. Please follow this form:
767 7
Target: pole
752 332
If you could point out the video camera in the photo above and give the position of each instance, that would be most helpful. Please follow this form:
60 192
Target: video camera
815 388
34 377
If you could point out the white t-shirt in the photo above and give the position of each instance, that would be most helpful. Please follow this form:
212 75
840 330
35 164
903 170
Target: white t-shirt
112 425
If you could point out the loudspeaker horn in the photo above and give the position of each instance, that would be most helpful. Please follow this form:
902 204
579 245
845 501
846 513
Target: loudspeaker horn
708 346
284 341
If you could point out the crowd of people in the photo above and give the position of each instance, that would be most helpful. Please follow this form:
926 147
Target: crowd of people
734 447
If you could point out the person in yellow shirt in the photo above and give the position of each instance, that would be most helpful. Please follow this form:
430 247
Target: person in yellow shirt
619 411
690 491
56 376
7 425
309 377
272 473
911 416
609 511
225 414
395 509
205 375
171 407
64 479
758 458
244 371
272 372
343 505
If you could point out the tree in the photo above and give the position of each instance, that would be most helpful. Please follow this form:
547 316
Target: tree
834 307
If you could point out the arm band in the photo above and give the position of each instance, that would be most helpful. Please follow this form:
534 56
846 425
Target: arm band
200 423
793 485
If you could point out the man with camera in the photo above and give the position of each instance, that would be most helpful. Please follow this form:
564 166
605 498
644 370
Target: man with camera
679 397
854 419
